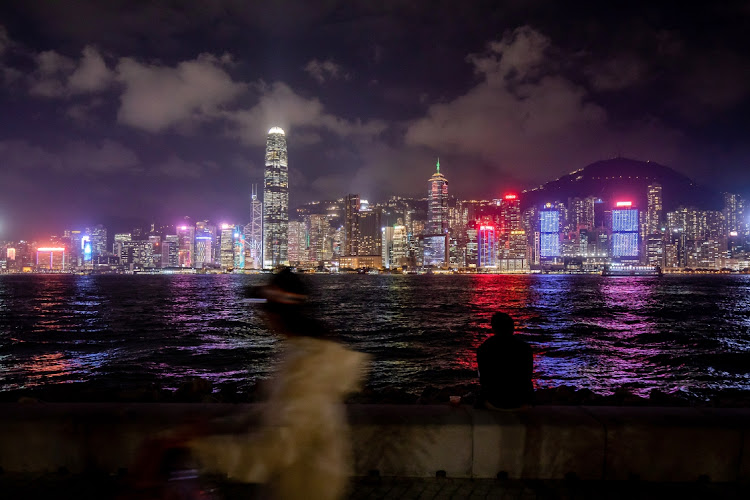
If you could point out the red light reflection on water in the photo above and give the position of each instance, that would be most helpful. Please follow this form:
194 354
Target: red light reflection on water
491 294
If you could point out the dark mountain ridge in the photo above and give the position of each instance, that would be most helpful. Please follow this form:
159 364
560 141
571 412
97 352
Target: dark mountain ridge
620 179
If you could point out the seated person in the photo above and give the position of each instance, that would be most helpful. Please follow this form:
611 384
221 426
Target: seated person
505 365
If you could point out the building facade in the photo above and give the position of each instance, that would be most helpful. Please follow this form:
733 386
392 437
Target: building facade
275 200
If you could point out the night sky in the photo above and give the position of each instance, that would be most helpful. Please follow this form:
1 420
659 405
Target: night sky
145 110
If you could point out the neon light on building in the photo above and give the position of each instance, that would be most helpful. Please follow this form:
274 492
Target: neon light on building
625 238
549 229
55 264
487 246
510 196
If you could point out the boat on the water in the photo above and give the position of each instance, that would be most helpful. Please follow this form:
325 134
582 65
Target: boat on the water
631 270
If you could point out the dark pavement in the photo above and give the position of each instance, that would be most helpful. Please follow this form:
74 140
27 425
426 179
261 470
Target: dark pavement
64 486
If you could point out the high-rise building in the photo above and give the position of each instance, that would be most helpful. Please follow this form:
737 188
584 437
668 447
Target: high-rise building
549 230
186 235
297 243
486 245
654 209
275 200
254 232
319 241
98 241
351 225
170 251
625 237
238 248
226 248
436 229
370 232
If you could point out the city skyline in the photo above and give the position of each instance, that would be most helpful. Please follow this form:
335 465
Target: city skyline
586 233
127 111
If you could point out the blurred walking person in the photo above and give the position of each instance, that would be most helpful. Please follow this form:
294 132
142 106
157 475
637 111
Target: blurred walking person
302 448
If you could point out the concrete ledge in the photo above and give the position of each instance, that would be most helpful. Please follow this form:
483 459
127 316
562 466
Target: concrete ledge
546 442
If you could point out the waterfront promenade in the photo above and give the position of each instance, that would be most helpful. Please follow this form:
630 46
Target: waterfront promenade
412 451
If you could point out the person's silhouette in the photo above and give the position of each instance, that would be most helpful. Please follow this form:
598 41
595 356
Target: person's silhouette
505 364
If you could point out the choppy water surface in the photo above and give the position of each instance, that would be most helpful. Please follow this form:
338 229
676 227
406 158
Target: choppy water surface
675 333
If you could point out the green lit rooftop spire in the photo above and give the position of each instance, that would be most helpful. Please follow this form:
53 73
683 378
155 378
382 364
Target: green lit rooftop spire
438 165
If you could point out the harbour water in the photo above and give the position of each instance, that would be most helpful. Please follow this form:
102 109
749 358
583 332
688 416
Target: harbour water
678 334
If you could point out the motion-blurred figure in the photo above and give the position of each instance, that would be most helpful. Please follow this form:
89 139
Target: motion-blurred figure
302 449
505 365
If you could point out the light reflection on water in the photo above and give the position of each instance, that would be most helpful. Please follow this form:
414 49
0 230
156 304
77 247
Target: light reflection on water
676 333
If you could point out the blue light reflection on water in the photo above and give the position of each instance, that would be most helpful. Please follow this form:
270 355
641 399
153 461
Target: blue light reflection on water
676 333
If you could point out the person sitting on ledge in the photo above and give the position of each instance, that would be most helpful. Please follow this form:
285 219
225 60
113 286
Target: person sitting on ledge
505 365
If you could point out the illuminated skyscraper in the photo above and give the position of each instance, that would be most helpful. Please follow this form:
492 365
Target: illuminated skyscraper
549 229
486 246
624 231
437 220
186 235
351 225
654 209
437 200
275 200
254 232
226 255
296 243
370 232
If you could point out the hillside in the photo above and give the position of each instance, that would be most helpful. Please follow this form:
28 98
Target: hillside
623 178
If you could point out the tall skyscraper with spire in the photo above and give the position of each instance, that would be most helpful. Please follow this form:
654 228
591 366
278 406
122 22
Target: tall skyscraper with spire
275 200
437 219
254 232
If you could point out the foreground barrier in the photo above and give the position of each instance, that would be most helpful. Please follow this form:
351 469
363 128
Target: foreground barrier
547 442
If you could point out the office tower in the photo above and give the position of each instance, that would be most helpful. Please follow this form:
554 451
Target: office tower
186 244
319 247
238 249
486 245
436 229
351 224
386 246
275 200
512 240
297 243
169 251
370 232
155 241
203 250
581 213
437 203
400 251
254 232
98 240
118 247
549 231
226 252
50 259
736 223
625 231
654 209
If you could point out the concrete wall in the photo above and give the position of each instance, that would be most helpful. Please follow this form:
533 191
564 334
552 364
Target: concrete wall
613 443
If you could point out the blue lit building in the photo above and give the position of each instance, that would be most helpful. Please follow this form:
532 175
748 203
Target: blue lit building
625 239
549 229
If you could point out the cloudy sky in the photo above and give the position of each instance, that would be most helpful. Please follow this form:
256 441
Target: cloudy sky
140 110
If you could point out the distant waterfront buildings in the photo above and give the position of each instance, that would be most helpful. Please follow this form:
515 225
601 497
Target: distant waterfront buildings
434 233
275 200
